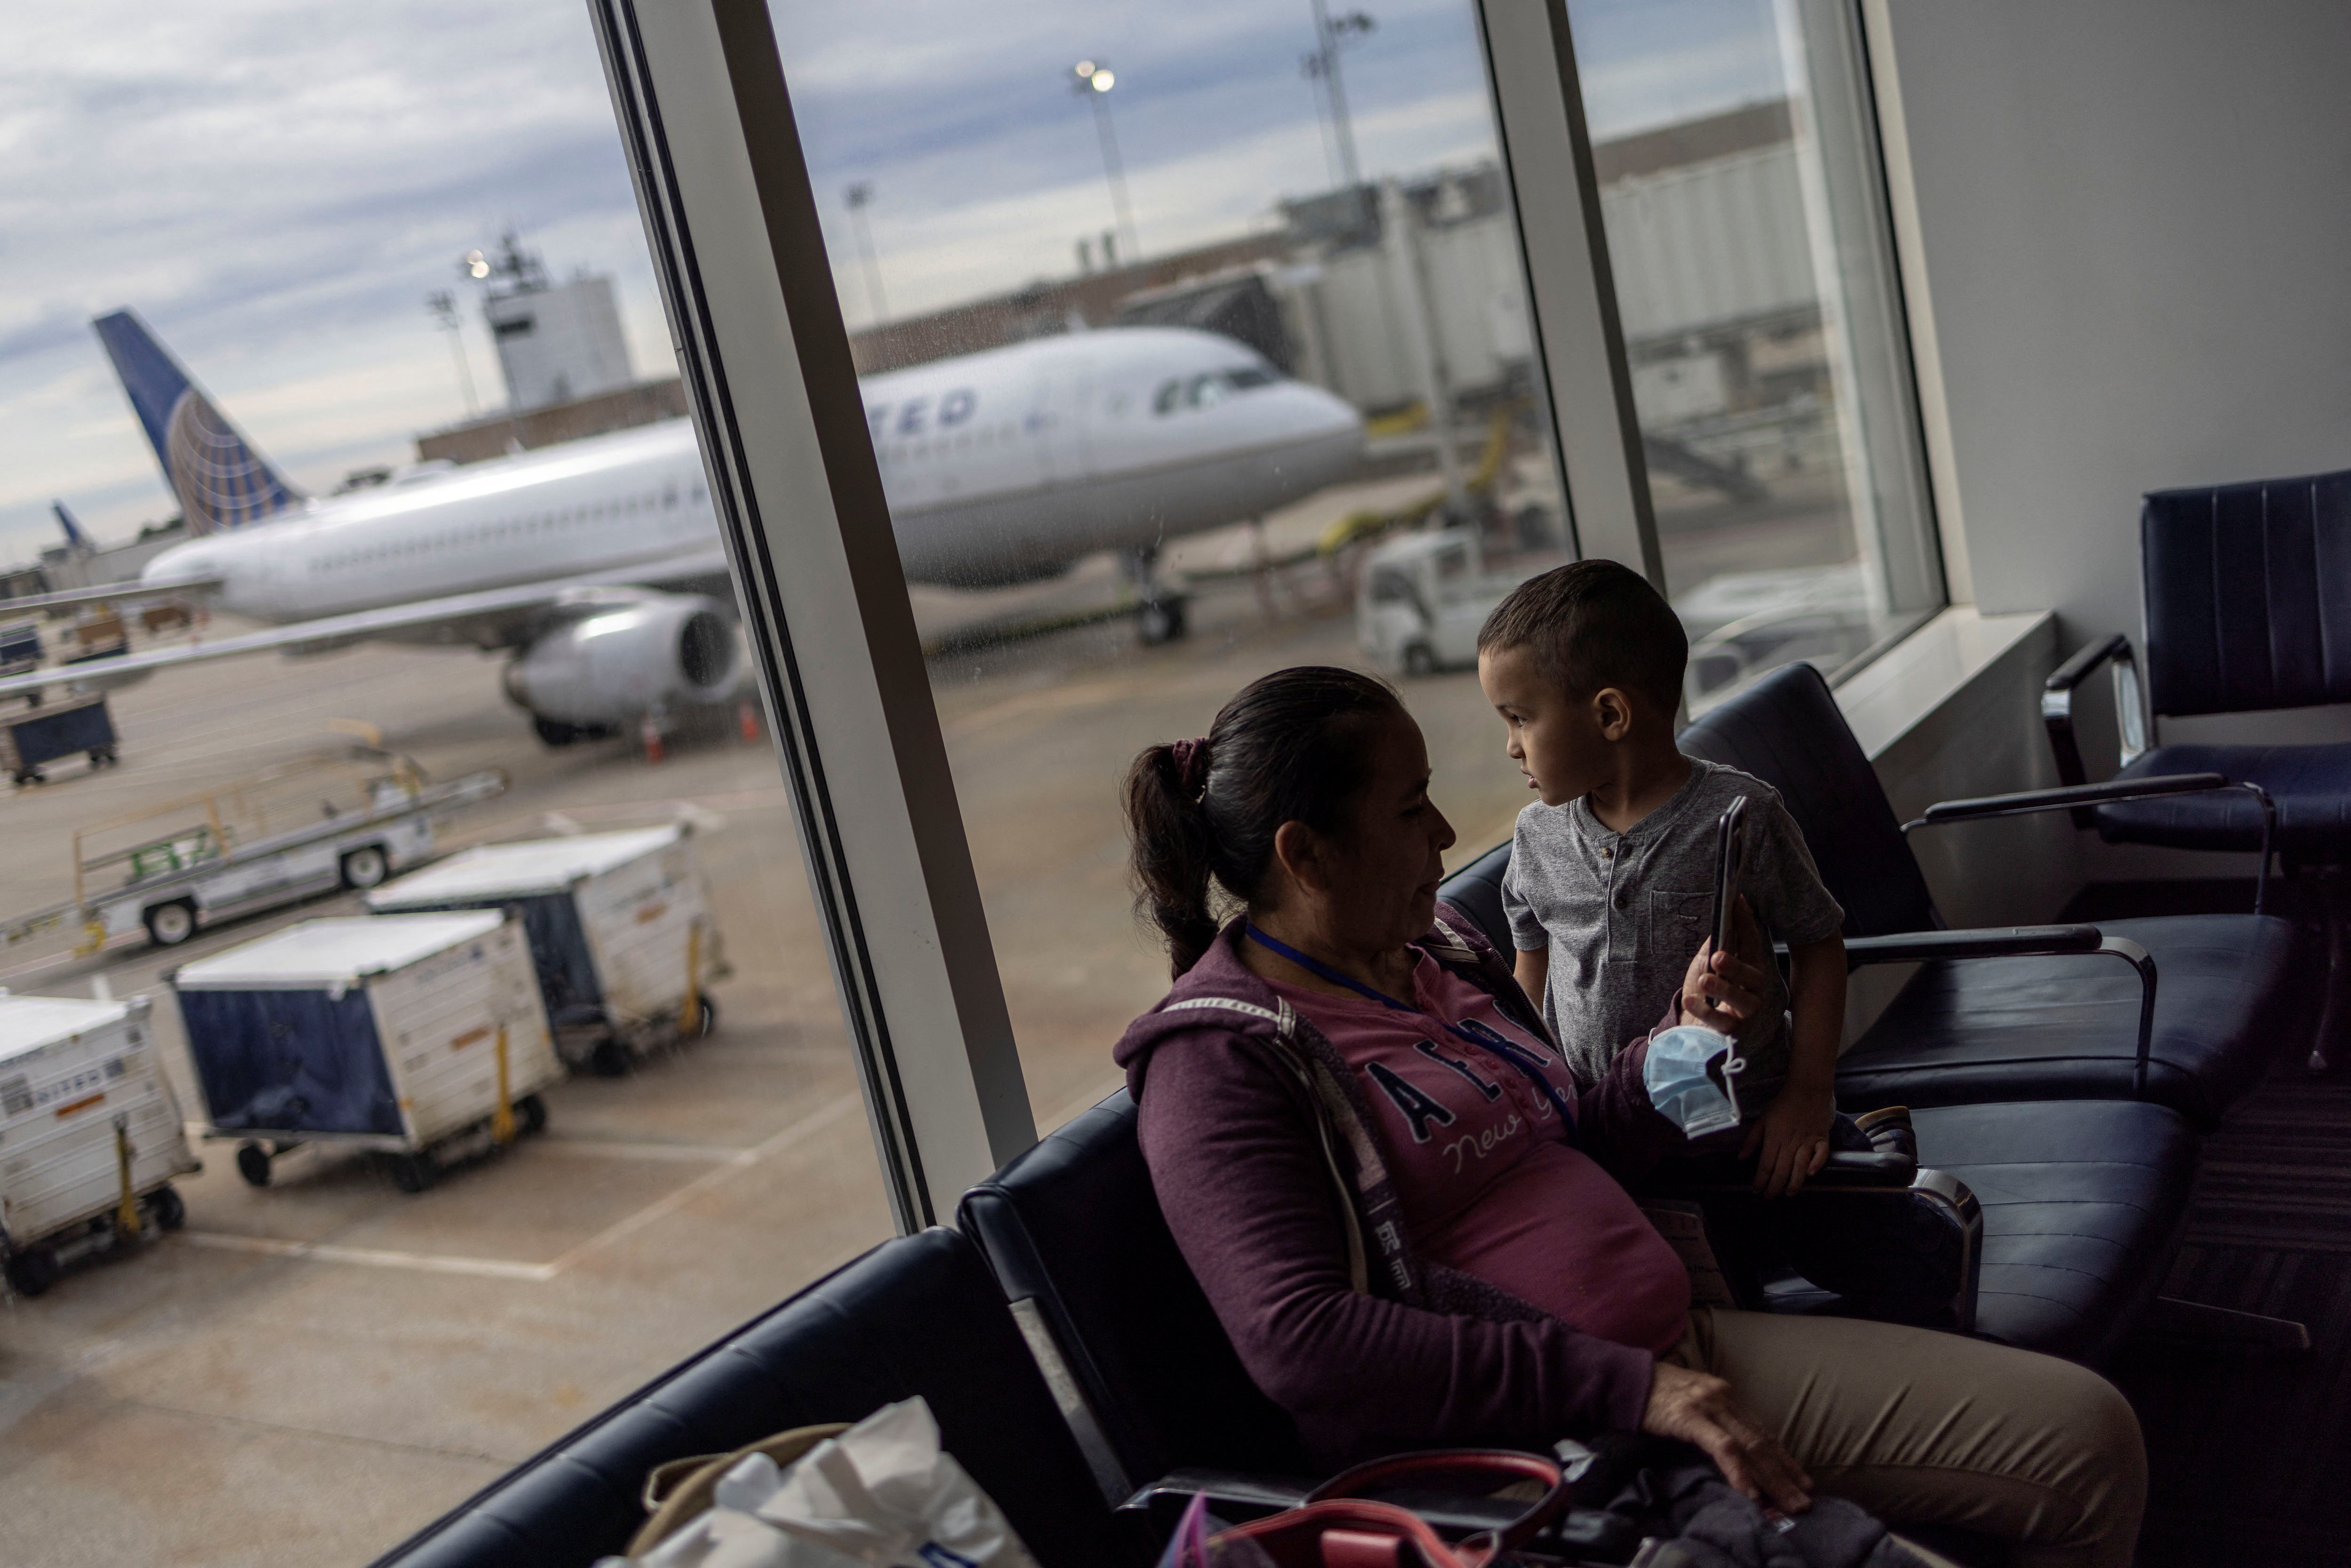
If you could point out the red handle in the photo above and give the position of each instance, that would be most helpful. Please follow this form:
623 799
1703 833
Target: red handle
1499 1464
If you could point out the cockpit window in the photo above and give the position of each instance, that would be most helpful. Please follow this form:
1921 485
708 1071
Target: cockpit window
1206 391
1250 376
1165 400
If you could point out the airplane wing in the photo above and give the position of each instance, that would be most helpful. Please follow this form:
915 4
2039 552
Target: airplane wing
494 618
105 593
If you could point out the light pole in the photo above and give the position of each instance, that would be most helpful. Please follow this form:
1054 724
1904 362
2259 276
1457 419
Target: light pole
443 305
1092 79
857 196
1330 33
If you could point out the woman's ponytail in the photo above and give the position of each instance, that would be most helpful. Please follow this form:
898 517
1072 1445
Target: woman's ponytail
1173 850
1203 814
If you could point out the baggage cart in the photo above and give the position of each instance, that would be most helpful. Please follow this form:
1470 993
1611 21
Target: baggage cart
90 1134
418 1036
37 736
619 932
313 825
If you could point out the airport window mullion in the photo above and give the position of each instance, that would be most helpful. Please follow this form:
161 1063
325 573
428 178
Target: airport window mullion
1572 296
699 92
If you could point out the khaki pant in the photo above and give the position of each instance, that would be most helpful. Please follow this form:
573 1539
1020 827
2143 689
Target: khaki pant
1923 1427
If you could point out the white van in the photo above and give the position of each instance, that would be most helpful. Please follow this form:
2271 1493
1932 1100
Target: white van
1425 595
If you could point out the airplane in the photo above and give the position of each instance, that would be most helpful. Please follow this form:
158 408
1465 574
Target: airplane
1000 466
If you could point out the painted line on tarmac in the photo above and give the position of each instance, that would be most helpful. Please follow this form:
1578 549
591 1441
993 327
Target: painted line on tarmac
369 1257
730 1162
815 1120
590 1149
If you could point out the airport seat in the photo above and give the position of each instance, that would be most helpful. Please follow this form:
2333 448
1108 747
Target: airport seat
2046 1025
921 1315
2243 611
2084 1203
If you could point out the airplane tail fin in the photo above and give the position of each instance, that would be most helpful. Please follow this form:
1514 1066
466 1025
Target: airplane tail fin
221 479
77 541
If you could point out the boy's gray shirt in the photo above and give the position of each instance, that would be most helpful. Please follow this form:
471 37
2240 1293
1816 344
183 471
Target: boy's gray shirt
1623 914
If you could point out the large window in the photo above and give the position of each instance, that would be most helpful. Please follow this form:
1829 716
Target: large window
306 1372
1206 352
1741 193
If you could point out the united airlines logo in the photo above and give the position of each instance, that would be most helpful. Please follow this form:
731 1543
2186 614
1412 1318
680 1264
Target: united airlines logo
221 482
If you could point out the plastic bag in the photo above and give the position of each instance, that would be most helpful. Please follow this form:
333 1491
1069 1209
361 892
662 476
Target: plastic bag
882 1495
1680 1088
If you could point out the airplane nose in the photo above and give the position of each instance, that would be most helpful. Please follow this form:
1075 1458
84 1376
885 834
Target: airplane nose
1326 413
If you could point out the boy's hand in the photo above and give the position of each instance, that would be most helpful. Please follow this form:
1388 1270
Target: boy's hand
1793 1136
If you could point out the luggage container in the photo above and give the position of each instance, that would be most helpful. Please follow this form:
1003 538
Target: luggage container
619 932
89 1134
42 735
415 1036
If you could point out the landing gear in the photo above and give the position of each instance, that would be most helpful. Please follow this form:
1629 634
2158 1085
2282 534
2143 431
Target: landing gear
253 1163
554 732
1159 615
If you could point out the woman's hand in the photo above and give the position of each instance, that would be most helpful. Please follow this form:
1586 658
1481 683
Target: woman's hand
1723 992
1696 1407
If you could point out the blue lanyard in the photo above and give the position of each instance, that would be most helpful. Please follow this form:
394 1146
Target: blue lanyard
1471 1032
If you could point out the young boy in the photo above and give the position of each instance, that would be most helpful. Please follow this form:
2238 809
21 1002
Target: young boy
1611 885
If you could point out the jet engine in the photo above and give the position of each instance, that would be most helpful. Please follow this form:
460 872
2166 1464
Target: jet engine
611 667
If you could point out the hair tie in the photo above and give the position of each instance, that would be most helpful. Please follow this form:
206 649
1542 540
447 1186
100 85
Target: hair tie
1191 767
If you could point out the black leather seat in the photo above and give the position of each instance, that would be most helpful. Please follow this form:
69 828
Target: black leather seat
2227 630
2010 1027
1073 1228
918 1315
2083 1202
2248 601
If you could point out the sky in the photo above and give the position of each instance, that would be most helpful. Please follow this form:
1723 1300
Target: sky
276 185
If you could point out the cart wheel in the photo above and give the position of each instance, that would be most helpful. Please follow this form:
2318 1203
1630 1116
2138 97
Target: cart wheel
168 925
413 1173
1420 660
169 1211
610 1057
707 1024
33 1271
365 867
253 1163
530 1111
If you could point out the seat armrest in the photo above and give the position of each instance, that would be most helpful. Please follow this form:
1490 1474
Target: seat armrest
1847 1170
2078 798
2023 803
1994 942
2057 711
2085 660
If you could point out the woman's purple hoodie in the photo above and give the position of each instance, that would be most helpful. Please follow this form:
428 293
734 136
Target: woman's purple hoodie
1230 1134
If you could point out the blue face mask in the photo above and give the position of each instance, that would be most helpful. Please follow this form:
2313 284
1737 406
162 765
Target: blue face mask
1682 1090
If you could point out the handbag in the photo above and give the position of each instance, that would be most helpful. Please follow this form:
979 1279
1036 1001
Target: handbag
1337 1528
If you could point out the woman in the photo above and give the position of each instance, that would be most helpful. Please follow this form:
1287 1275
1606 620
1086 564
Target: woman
1409 1219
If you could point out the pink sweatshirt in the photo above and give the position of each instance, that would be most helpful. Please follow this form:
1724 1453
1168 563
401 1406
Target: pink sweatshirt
1237 1166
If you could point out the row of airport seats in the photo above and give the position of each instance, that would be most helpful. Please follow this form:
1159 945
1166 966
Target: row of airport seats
2065 1073
1074 1364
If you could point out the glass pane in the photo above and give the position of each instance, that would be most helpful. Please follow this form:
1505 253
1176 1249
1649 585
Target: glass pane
312 1368
1184 339
1740 190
